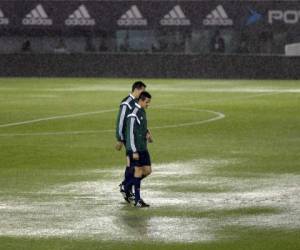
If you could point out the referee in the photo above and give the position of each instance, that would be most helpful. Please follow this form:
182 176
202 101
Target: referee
137 136
127 105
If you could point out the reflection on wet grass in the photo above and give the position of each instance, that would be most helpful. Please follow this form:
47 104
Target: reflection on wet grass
188 212
195 189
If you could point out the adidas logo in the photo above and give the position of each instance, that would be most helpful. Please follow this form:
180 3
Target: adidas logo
37 16
218 17
80 17
132 17
175 17
3 19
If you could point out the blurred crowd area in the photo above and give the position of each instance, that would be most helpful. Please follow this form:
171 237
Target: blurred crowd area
225 41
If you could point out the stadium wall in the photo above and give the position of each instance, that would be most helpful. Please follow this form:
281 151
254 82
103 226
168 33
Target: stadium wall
150 65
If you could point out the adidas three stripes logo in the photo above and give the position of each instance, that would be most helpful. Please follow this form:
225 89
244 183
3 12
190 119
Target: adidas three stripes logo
80 17
37 16
132 17
3 19
175 17
218 16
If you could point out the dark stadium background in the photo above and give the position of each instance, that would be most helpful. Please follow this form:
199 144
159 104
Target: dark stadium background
254 40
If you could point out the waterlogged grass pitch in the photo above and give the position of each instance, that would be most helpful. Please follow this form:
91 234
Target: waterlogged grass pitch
225 165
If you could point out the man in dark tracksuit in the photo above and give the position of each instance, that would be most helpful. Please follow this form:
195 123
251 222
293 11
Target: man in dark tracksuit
126 107
137 136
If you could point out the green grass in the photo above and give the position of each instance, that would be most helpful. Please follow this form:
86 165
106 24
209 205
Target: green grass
249 239
258 138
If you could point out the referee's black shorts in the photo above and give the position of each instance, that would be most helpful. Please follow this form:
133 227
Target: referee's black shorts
144 159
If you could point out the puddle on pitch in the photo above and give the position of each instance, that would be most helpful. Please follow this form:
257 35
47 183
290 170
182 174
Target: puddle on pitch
184 197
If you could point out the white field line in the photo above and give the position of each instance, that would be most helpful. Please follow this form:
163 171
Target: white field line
233 90
235 98
95 209
57 117
217 116
178 88
110 110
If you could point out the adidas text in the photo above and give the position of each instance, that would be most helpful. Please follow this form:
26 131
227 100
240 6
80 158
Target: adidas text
132 22
4 21
215 22
175 22
36 21
80 22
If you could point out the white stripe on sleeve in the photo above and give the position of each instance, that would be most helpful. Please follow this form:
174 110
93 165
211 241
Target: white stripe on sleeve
137 119
121 122
132 144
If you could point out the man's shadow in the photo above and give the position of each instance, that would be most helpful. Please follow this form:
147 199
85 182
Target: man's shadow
134 221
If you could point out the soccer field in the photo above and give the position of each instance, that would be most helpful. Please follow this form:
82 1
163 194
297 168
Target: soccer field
226 165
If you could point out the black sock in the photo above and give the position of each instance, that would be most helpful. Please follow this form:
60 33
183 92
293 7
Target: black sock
127 176
137 188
